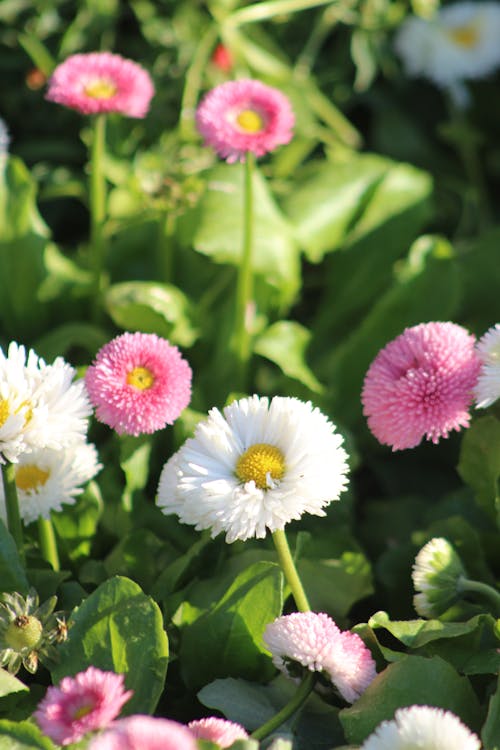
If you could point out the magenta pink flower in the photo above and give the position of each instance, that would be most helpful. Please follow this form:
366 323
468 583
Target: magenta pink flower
138 383
145 733
314 641
220 731
97 82
244 116
81 704
421 385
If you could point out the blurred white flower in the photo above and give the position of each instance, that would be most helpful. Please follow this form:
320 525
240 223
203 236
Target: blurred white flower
4 140
487 390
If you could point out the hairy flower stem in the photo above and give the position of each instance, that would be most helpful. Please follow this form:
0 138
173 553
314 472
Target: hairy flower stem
303 692
48 543
290 571
97 205
12 505
465 585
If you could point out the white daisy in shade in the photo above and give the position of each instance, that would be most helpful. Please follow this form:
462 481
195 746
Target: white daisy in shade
422 728
436 575
459 42
47 479
257 466
14 403
487 390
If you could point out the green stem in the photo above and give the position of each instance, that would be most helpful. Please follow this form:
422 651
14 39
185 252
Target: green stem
12 506
194 77
97 205
290 571
465 585
244 284
48 544
262 11
288 710
305 61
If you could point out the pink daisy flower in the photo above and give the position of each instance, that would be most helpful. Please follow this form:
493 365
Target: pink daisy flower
145 733
97 82
81 704
139 383
421 385
220 731
241 116
314 641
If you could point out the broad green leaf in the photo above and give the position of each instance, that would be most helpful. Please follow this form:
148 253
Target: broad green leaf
138 554
119 628
61 340
135 454
76 525
227 640
10 684
23 735
491 729
285 344
479 464
413 680
63 275
151 307
12 574
480 273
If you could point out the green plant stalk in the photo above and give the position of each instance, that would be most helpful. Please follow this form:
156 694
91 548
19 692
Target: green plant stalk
12 506
97 205
194 77
48 544
262 11
303 692
290 571
465 585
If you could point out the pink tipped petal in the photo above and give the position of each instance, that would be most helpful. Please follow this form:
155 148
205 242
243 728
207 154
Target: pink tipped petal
145 733
421 385
220 731
97 82
350 665
139 383
244 116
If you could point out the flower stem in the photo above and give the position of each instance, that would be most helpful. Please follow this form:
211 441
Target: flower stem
97 205
193 79
290 571
244 284
465 585
12 506
48 544
288 710
269 9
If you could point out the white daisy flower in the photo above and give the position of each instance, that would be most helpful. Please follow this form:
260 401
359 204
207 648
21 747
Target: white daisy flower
422 728
47 479
15 410
257 466
436 576
487 390
460 42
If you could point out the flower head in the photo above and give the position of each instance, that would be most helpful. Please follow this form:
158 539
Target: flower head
436 575
244 116
220 731
139 383
421 385
257 466
314 641
28 631
98 82
422 728
487 390
90 700
144 733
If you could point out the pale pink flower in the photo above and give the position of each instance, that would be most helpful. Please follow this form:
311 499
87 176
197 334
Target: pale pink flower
421 385
81 704
144 733
96 82
138 383
220 731
244 116
314 641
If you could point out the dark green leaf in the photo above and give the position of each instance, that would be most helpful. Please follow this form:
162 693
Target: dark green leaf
12 575
479 464
285 344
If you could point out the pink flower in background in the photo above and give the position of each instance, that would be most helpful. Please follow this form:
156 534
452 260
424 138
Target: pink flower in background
97 82
220 731
81 704
313 640
145 733
138 383
244 116
421 385
222 58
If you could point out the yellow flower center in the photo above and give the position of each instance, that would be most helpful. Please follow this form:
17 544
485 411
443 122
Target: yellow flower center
4 411
465 36
250 120
261 462
100 89
30 477
28 414
140 378
84 710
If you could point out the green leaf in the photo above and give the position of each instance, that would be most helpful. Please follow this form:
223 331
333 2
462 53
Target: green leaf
61 340
119 628
490 735
479 463
413 680
22 735
76 525
135 453
285 344
227 640
12 574
152 308
10 684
